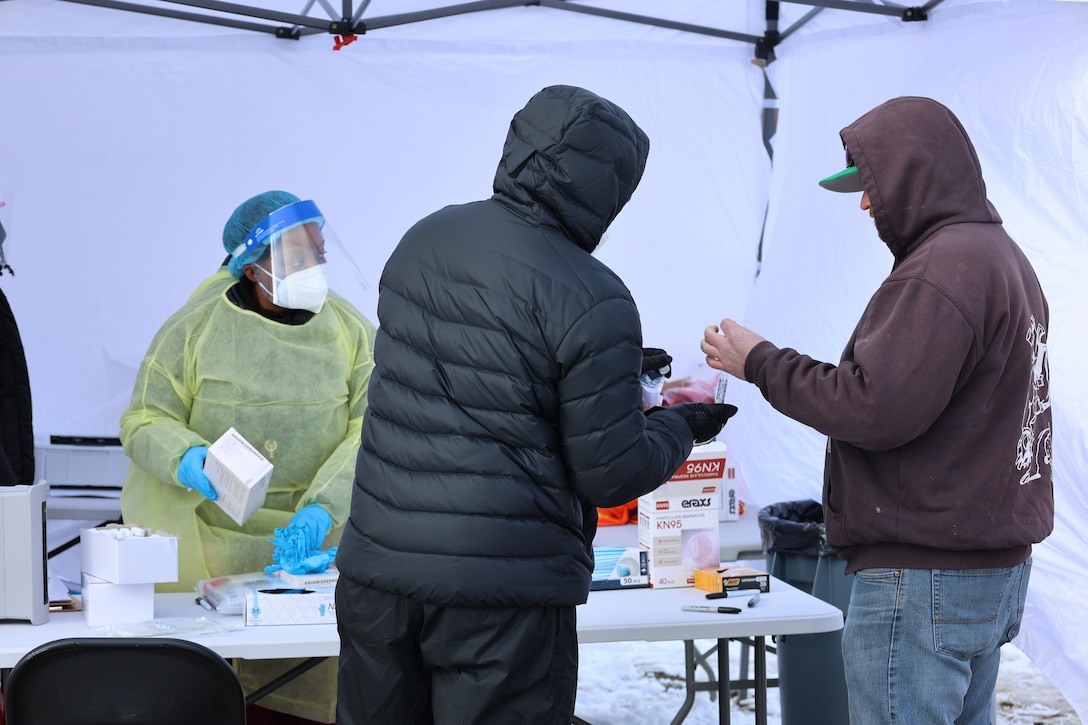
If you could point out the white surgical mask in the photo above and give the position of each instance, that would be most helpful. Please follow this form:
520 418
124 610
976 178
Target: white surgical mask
302 290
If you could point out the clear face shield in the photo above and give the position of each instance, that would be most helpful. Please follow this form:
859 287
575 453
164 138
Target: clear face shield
293 270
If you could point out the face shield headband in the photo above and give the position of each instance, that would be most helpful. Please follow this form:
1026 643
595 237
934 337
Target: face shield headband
271 226
280 246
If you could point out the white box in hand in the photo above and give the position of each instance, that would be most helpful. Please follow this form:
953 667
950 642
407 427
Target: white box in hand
239 474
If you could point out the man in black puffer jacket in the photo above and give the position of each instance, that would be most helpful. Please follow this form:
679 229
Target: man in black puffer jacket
16 413
505 406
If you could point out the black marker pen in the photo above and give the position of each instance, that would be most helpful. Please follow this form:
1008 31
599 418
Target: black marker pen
713 610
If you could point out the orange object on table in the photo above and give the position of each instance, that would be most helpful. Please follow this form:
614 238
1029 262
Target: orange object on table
617 515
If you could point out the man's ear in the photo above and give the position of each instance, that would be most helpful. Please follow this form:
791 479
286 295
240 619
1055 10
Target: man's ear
249 272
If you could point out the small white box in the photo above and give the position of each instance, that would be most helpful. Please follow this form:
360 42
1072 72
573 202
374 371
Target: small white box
695 485
272 606
239 474
678 543
106 603
128 554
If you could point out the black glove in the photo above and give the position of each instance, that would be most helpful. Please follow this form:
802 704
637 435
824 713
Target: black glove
706 420
653 359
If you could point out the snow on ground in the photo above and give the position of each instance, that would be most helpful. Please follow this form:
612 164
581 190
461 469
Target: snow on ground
642 683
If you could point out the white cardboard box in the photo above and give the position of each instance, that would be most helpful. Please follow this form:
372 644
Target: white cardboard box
140 557
239 474
314 606
106 603
678 543
695 485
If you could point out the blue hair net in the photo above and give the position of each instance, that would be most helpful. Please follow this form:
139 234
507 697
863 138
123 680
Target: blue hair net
248 214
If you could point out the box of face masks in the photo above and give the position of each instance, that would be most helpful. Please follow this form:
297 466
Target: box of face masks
239 474
697 484
620 567
678 543
288 605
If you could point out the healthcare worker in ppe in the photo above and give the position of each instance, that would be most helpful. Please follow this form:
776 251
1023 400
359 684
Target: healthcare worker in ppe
265 347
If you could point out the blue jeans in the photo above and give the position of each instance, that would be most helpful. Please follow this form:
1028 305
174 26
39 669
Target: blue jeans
922 647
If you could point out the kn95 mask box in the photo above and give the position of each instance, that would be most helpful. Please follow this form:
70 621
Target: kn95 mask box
239 474
696 485
677 544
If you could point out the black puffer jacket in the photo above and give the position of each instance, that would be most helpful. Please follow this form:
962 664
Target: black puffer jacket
16 415
505 403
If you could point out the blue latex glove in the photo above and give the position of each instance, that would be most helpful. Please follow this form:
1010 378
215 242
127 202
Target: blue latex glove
316 521
294 556
316 563
191 472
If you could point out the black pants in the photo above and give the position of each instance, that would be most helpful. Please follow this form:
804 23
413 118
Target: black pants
403 662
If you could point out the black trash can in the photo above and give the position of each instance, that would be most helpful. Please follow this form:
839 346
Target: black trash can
811 683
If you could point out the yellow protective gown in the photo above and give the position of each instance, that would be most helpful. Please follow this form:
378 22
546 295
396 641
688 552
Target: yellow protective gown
297 393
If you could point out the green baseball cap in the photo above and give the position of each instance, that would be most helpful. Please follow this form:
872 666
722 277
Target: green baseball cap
845 181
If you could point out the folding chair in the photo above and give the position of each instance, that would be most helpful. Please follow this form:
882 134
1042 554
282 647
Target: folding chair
136 681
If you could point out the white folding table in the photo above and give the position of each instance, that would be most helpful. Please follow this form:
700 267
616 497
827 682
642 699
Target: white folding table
739 540
608 616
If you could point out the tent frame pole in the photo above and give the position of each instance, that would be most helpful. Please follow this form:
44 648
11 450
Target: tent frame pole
295 25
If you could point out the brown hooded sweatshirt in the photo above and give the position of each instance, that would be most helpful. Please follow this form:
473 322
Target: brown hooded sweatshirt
938 414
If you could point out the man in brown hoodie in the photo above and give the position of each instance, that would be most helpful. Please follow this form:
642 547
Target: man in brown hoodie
937 479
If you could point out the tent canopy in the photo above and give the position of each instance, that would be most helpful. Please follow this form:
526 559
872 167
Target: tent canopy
127 139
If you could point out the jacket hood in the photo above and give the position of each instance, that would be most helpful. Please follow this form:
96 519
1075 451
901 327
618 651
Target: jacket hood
571 159
920 170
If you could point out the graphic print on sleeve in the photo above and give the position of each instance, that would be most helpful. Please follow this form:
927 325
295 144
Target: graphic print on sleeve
1035 443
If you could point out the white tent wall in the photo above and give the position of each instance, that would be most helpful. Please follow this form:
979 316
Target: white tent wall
1017 77
127 155
126 141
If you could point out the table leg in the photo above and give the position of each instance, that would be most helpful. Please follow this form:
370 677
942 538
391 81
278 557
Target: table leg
723 682
761 680
690 685
283 679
